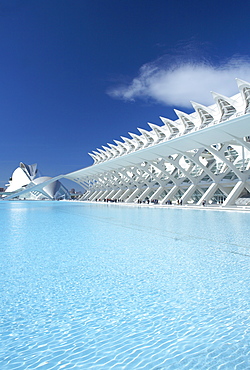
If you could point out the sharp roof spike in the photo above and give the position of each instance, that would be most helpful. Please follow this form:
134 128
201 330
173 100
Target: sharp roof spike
175 126
103 153
154 125
217 96
147 131
95 158
137 140
226 106
151 125
121 145
113 147
180 113
198 105
168 122
108 152
139 137
162 132
106 148
149 139
183 115
131 134
134 136
142 130
147 134
220 96
242 82
117 142
98 155
164 119
157 128
206 115
243 87
124 138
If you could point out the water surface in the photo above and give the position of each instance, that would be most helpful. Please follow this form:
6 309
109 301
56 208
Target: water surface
113 287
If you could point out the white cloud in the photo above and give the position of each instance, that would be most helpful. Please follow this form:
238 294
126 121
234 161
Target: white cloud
177 84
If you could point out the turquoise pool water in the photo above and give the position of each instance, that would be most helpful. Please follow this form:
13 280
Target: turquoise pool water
112 287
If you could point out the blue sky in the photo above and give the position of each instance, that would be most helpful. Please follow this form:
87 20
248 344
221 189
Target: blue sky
75 75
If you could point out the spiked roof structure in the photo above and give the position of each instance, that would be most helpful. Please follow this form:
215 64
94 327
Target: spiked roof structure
202 156
224 108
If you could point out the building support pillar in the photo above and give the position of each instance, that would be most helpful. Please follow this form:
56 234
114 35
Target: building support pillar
208 194
133 195
188 193
126 194
119 193
157 193
170 194
145 193
94 195
233 195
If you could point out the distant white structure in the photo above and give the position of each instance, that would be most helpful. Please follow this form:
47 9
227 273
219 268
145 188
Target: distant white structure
25 185
202 156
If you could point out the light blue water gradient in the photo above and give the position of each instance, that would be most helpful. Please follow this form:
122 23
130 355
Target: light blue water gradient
113 287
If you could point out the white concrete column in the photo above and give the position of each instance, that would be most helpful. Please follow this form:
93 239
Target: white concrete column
145 193
133 195
85 195
118 193
104 194
95 195
126 194
111 193
233 195
208 194
157 193
170 194
188 193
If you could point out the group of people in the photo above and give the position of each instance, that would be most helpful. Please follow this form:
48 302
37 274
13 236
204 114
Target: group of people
169 202
147 201
110 200
144 201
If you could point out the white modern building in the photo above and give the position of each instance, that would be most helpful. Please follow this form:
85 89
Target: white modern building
201 156
24 184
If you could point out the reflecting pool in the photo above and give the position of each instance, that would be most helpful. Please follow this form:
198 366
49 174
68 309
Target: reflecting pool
107 286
